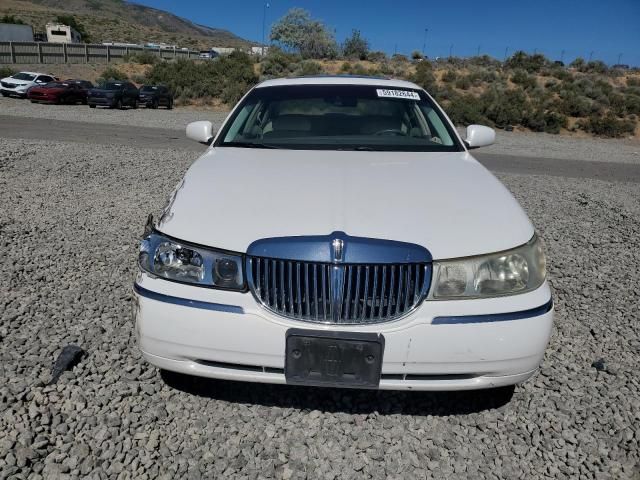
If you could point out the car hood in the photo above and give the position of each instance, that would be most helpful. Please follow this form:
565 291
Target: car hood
446 202
47 90
16 82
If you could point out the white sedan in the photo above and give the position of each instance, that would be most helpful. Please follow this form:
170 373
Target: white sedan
337 232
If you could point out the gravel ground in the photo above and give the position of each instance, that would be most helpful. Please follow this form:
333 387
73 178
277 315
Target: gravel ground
511 143
70 217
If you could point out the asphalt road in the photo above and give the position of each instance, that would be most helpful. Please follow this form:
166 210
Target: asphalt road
145 137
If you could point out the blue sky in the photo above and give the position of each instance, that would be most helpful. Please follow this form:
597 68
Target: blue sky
605 27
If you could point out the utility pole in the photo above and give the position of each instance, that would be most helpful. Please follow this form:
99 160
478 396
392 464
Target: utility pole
395 49
591 55
506 50
424 42
478 54
264 23
562 56
451 50
619 58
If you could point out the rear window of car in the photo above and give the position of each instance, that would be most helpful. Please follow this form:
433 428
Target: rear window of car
111 86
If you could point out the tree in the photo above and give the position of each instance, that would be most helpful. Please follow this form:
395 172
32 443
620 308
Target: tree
355 47
416 55
578 63
11 19
73 23
299 32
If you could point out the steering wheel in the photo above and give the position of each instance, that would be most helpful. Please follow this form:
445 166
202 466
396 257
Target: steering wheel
391 131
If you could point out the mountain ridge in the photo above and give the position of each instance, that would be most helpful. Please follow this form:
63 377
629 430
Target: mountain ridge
123 21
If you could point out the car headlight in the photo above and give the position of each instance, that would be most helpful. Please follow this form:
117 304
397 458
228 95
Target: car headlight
182 262
519 270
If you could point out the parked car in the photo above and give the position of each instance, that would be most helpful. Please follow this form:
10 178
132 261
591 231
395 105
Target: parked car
373 251
19 83
114 94
153 96
67 91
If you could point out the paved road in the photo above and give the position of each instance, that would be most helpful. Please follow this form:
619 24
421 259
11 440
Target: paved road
59 130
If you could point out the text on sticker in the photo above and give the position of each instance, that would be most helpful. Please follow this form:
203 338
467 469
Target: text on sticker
407 94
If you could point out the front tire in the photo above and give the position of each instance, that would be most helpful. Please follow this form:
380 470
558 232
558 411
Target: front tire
4 94
170 105
117 105
135 104
92 105
155 105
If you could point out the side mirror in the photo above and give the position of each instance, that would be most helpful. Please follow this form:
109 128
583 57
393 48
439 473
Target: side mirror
201 131
479 136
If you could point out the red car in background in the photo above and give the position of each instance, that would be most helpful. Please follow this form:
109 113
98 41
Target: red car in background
67 91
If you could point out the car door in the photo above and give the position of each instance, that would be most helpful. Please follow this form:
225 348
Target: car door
132 92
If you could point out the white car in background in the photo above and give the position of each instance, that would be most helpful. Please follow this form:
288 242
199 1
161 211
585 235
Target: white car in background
337 232
19 83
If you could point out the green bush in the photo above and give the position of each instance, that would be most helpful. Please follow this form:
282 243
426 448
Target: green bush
424 77
524 61
112 73
309 67
6 71
632 104
143 58
449 76
465 110
226 78
278 63
522 78
505 107
574 105
608 126
633 81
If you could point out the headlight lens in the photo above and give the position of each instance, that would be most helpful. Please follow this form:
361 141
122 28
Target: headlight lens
504 273
174 260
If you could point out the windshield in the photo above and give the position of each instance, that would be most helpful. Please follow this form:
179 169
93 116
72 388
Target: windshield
111 86
339 117
24 76
57 85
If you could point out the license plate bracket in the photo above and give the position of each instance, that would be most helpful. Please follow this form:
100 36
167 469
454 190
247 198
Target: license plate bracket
333 359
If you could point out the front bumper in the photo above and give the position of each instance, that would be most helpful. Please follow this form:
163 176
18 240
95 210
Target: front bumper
227 335
14 91
103 101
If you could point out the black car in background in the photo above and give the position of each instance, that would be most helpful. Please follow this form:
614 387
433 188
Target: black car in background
154 96
114 94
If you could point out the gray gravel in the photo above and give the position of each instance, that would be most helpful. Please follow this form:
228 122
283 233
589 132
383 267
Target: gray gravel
510 143
69 220
161 118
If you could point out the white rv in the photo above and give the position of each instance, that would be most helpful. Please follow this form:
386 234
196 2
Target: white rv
58 33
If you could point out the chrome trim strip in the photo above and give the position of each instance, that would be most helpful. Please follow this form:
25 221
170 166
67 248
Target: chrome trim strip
186 302
494 317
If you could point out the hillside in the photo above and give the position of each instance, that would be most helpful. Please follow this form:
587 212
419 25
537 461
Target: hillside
120 21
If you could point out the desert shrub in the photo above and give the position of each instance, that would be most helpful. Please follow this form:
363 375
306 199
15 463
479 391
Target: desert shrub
424 77
112 73
561 74
226 78
546 121
505 107
463 82
309 67
6 71
355 46
416 55
607 126
465 109
522 78
524 61
449 76
143 58
633 81
345 67
398 57
278 63
632 104
377 56
484 61
617 103
574 105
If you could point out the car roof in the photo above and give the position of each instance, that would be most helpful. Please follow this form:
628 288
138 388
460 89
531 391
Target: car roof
338 80
36 73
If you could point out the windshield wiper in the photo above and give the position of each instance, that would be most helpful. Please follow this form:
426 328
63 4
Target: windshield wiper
248 145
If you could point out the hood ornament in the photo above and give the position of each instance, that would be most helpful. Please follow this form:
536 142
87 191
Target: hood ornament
337 250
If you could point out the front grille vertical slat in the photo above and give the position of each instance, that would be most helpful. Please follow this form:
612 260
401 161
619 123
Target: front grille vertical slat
324 293
298 291
368 293
374 293
391 300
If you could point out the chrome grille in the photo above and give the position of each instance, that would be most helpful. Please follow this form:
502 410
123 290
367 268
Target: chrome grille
338 293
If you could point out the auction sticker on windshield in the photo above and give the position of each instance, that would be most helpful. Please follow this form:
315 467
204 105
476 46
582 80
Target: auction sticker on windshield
408 94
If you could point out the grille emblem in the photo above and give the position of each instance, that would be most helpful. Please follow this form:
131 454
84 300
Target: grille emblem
337 250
